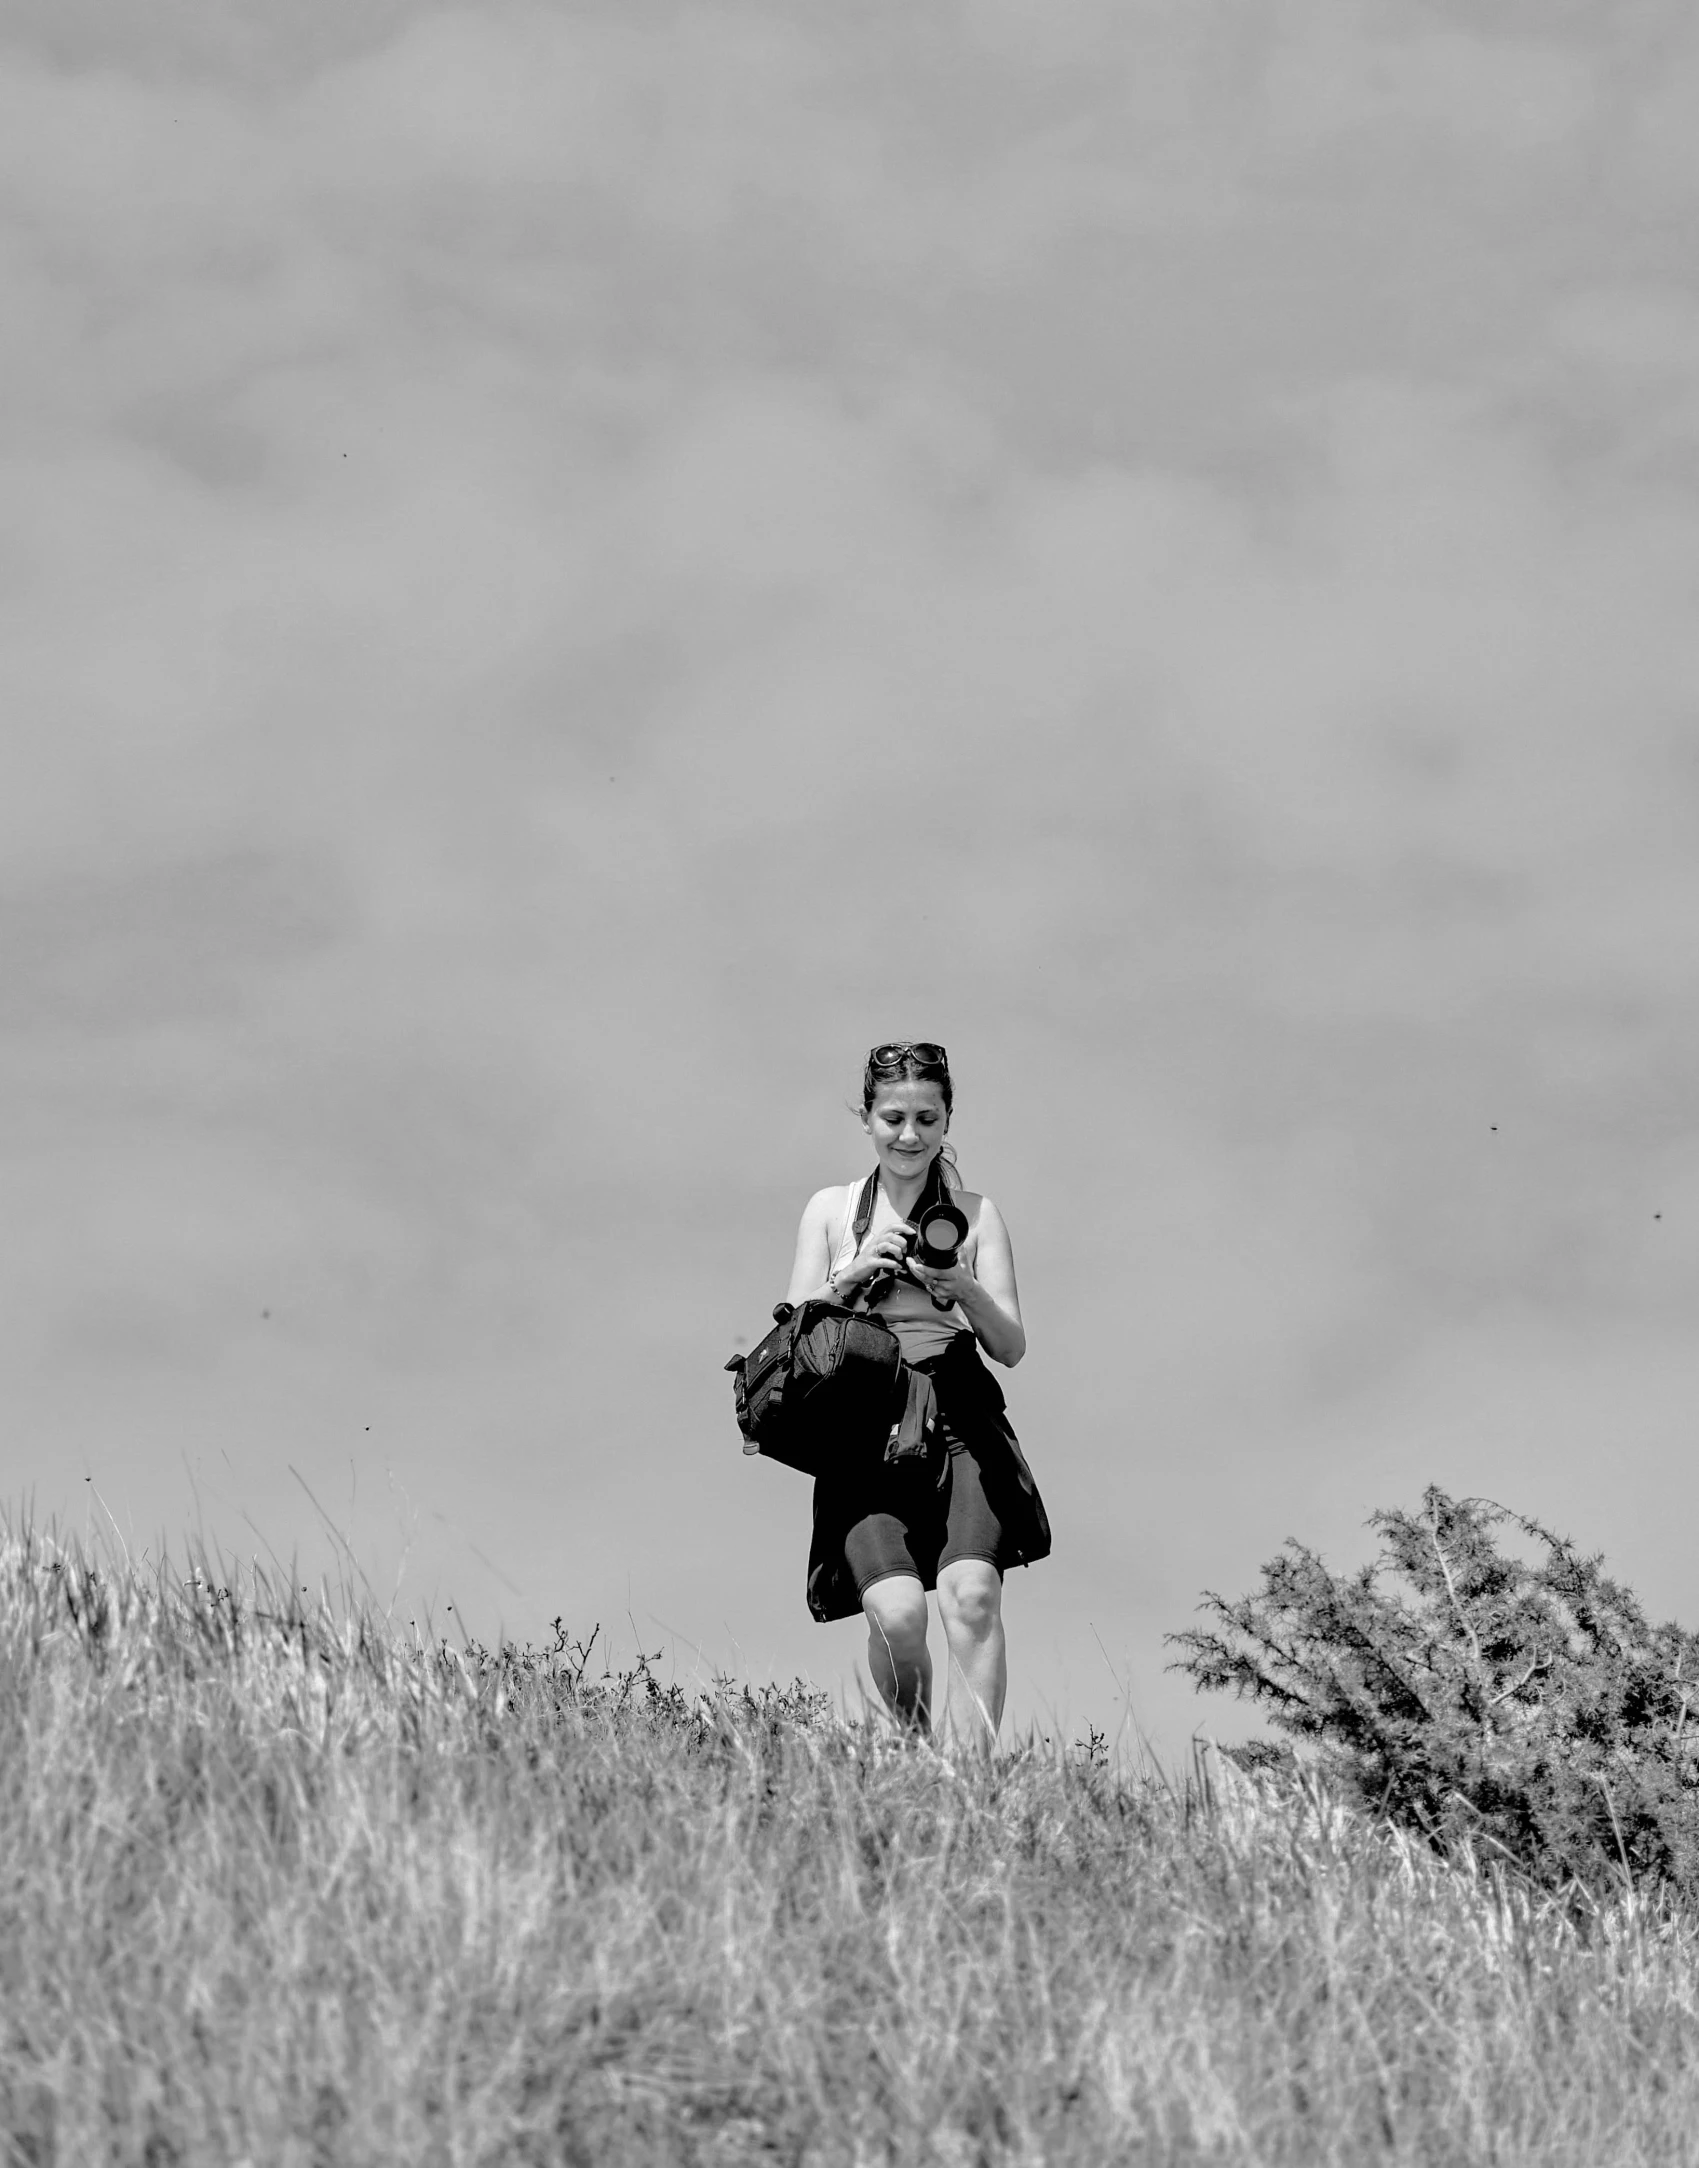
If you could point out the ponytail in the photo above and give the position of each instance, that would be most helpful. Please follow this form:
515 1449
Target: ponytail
942 1177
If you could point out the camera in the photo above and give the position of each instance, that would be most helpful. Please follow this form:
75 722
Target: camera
938 1236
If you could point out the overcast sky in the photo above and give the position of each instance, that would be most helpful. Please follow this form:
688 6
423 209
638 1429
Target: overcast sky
562 570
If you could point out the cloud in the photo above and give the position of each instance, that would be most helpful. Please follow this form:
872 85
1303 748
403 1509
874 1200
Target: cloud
561 573
1333 77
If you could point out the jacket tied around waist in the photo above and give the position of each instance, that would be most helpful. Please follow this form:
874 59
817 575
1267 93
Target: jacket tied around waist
950 1403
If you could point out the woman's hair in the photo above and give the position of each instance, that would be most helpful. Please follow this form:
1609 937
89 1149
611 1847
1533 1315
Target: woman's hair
899 1060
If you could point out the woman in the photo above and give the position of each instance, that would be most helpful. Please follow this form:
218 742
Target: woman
886 1530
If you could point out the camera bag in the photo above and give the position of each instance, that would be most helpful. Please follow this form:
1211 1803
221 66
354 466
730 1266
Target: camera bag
822 1373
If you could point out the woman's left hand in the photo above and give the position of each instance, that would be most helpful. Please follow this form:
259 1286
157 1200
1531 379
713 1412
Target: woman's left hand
953 1282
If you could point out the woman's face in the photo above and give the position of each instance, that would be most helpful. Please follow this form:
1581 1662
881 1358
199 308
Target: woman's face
907 1123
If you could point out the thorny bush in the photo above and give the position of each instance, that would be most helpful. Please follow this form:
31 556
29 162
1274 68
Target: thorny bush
1513 1708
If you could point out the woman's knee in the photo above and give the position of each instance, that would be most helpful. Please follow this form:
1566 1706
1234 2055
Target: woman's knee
970 1597
896 1615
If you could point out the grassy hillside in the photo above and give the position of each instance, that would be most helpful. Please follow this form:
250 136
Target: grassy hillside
277 1887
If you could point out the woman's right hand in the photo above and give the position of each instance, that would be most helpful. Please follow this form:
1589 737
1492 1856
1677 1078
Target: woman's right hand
880 1255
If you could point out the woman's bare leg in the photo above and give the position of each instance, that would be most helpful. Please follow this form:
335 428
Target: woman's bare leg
896 1647
970 1602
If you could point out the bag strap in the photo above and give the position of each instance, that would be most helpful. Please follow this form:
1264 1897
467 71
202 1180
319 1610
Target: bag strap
911 1435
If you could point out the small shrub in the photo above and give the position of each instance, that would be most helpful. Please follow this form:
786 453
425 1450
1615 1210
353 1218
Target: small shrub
1523 1710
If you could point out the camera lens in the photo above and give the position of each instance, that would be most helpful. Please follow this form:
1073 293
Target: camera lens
942 1231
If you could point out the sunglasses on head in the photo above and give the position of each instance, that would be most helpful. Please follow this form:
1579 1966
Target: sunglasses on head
896 1051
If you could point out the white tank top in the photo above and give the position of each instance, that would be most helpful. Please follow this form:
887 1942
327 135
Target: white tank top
921 1330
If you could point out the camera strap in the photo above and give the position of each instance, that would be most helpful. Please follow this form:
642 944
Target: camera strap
933 1193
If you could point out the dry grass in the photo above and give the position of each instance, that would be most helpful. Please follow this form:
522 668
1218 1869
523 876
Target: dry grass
277 1888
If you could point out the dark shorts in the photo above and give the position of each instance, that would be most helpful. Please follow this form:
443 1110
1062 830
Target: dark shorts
916 1525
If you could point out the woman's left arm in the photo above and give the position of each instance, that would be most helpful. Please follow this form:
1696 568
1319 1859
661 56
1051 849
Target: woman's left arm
987 1295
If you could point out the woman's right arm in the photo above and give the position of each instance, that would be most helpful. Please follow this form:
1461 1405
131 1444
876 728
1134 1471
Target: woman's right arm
822 1219
814 1248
